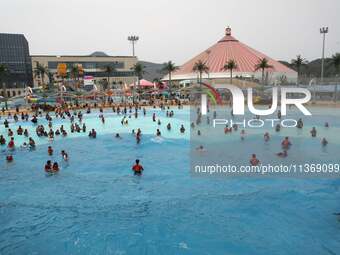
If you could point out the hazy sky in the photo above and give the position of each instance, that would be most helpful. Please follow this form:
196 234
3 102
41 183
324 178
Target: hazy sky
172 30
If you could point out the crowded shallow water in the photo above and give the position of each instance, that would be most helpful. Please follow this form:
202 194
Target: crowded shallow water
95 204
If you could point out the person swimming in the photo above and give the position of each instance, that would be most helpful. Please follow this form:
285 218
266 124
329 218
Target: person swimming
282 154
313 132
278 128
200 148
286 143
11 144
137 168
324 142
227 129
279 115
50 150
55 167
243 134
20 130
9 158
31 143
168 126
266 137
64 155
254 160
93 133
182 129
299 123
48 166
158 133
24 145
2 140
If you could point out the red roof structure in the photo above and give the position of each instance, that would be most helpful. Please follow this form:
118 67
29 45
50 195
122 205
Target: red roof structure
143 83
229 48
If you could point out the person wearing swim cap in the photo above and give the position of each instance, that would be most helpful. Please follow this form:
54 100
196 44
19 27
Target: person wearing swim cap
137 168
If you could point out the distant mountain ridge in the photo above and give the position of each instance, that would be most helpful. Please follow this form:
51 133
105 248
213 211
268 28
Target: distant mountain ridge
152 70
313 68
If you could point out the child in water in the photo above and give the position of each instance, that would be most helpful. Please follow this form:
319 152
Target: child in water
137 168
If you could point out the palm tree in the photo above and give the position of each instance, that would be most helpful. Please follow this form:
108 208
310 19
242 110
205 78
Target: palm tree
169 68
200 67
336 62
283 79
50 76
262 65
139 71
74 74
230 65
40 71
298 63
109 69
3 72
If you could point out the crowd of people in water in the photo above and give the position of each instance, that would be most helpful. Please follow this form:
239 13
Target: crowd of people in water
254 161
78 125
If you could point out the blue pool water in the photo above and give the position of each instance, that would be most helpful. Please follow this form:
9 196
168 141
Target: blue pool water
96 206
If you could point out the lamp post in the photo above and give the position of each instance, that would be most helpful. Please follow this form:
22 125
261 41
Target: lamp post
323 31
133 39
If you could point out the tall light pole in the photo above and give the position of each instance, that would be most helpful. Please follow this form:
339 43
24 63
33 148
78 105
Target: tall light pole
133 39
323 31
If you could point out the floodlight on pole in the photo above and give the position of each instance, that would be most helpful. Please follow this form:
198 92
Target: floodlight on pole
133 39
323 31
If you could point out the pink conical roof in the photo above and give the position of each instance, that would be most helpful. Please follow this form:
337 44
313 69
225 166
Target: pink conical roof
228 48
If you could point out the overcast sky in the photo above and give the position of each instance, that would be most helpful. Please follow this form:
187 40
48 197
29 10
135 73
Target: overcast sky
173 30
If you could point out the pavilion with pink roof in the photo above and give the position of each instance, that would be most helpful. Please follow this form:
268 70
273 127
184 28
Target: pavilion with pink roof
228 48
